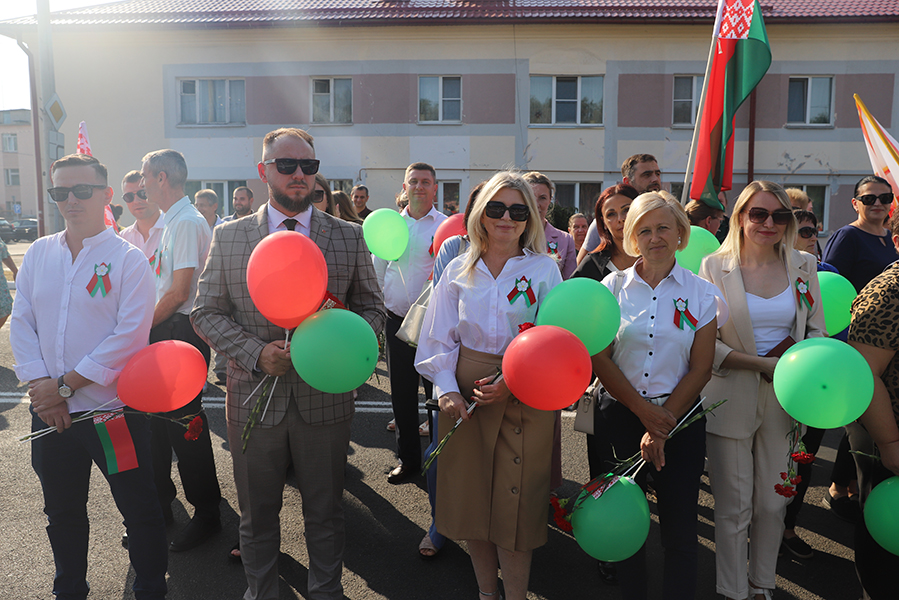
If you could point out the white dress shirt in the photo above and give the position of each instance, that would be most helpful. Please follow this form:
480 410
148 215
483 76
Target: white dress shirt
149 245
276 220
650 349
403 279
184 245
476 312
57 325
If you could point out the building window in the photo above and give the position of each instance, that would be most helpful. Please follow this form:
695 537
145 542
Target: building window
439 99
687 93
818 195
10 142
11 176
810 101
448 197
342 185
332 100
212 102
223 189
577 197
566 100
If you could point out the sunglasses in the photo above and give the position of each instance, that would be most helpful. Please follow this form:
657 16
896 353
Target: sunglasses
287 166
808 232
82 191
318 196
780 217
130 196
869 199
496 210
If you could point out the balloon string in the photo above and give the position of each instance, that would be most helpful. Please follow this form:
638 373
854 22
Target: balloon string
272 392
253 393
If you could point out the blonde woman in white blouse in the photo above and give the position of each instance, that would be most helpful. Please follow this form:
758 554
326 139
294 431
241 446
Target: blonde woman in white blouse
493 475
659 362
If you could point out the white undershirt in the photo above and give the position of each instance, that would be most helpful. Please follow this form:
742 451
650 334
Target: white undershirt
772 319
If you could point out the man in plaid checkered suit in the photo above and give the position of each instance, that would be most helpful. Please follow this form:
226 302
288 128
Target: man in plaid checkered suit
309 427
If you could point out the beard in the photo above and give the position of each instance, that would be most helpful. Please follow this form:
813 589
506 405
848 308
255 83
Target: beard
288 203
243 212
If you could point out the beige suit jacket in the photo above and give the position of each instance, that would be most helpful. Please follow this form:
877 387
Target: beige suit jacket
225 316
738 418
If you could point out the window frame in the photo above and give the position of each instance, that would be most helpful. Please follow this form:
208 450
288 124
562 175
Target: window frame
225 198
578 108
579 202
808 101
331 96
824 217
697 83
440 100
441 196
14 146
9 175
227 122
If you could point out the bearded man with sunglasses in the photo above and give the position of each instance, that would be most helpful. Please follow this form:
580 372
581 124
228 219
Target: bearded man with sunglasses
83 309
146 231
303 425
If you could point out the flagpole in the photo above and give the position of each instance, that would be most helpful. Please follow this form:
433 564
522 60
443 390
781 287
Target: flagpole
705 86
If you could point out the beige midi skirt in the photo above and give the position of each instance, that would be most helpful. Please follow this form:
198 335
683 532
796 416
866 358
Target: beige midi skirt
493 475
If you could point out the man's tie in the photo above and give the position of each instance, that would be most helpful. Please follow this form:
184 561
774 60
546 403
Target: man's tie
290 224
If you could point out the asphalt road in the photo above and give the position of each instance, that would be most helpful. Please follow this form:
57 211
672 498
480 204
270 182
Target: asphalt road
384 525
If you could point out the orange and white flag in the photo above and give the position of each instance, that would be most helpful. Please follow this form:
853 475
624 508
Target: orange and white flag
882 147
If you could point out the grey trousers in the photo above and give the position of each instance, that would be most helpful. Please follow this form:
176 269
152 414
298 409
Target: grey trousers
319 455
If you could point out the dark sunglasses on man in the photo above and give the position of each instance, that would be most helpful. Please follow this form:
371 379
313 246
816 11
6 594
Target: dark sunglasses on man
82 191
760 215
869 199
130 196
496 210
287 166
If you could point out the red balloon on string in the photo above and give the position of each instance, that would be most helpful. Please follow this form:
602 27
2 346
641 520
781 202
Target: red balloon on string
455 225
163 376
287 277
547 367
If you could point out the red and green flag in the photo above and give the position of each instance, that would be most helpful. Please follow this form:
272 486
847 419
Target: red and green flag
740 59
116 441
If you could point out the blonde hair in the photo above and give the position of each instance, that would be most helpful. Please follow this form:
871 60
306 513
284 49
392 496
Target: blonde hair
733 243
533 237
643 205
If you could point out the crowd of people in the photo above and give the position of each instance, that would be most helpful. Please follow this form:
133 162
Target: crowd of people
88 299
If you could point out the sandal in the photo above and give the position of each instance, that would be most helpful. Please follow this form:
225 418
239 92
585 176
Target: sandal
753 592
424 430
391 425
426 548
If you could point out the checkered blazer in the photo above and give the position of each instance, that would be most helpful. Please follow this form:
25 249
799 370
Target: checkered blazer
224 314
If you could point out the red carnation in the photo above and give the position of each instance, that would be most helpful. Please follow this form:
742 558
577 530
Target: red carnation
524 327
560 515
194 429
803 458
787 491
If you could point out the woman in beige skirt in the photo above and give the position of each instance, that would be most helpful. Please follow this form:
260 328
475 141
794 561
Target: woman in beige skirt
493 475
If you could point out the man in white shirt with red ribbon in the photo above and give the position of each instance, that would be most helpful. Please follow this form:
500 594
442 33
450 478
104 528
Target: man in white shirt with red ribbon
146 231
402 281
83 308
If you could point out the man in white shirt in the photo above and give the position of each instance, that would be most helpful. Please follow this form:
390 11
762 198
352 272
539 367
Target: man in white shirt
242 201
207 203
83 309
402 281
146 231
179 260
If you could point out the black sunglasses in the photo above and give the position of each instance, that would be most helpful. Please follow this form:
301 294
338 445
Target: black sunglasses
496 210
129 196
780 217
869 199
318 196
82 191
287 166
807 232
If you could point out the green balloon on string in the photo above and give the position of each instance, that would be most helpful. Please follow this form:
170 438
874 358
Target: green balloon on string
615 525
386 233
334 351
586 308
837 294
881 516
701 244
823 382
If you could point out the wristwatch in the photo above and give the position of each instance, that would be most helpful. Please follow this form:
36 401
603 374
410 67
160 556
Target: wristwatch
64 390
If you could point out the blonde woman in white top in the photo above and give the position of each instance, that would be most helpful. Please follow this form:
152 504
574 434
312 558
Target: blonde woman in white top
493 475
772 292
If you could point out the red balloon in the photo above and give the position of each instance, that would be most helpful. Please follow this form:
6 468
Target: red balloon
547 367
455 225
163 376
287 277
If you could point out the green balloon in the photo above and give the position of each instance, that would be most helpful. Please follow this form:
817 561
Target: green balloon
614 526
386 233
881 516
823 382
586 308
701 244
837 295
334 351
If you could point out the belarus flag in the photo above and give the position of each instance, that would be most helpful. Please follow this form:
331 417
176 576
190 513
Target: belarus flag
740 59
882 148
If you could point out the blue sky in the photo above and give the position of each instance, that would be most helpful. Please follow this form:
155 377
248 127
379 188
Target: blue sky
14 82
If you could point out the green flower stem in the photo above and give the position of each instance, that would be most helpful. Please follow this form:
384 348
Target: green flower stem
437 450
88 415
